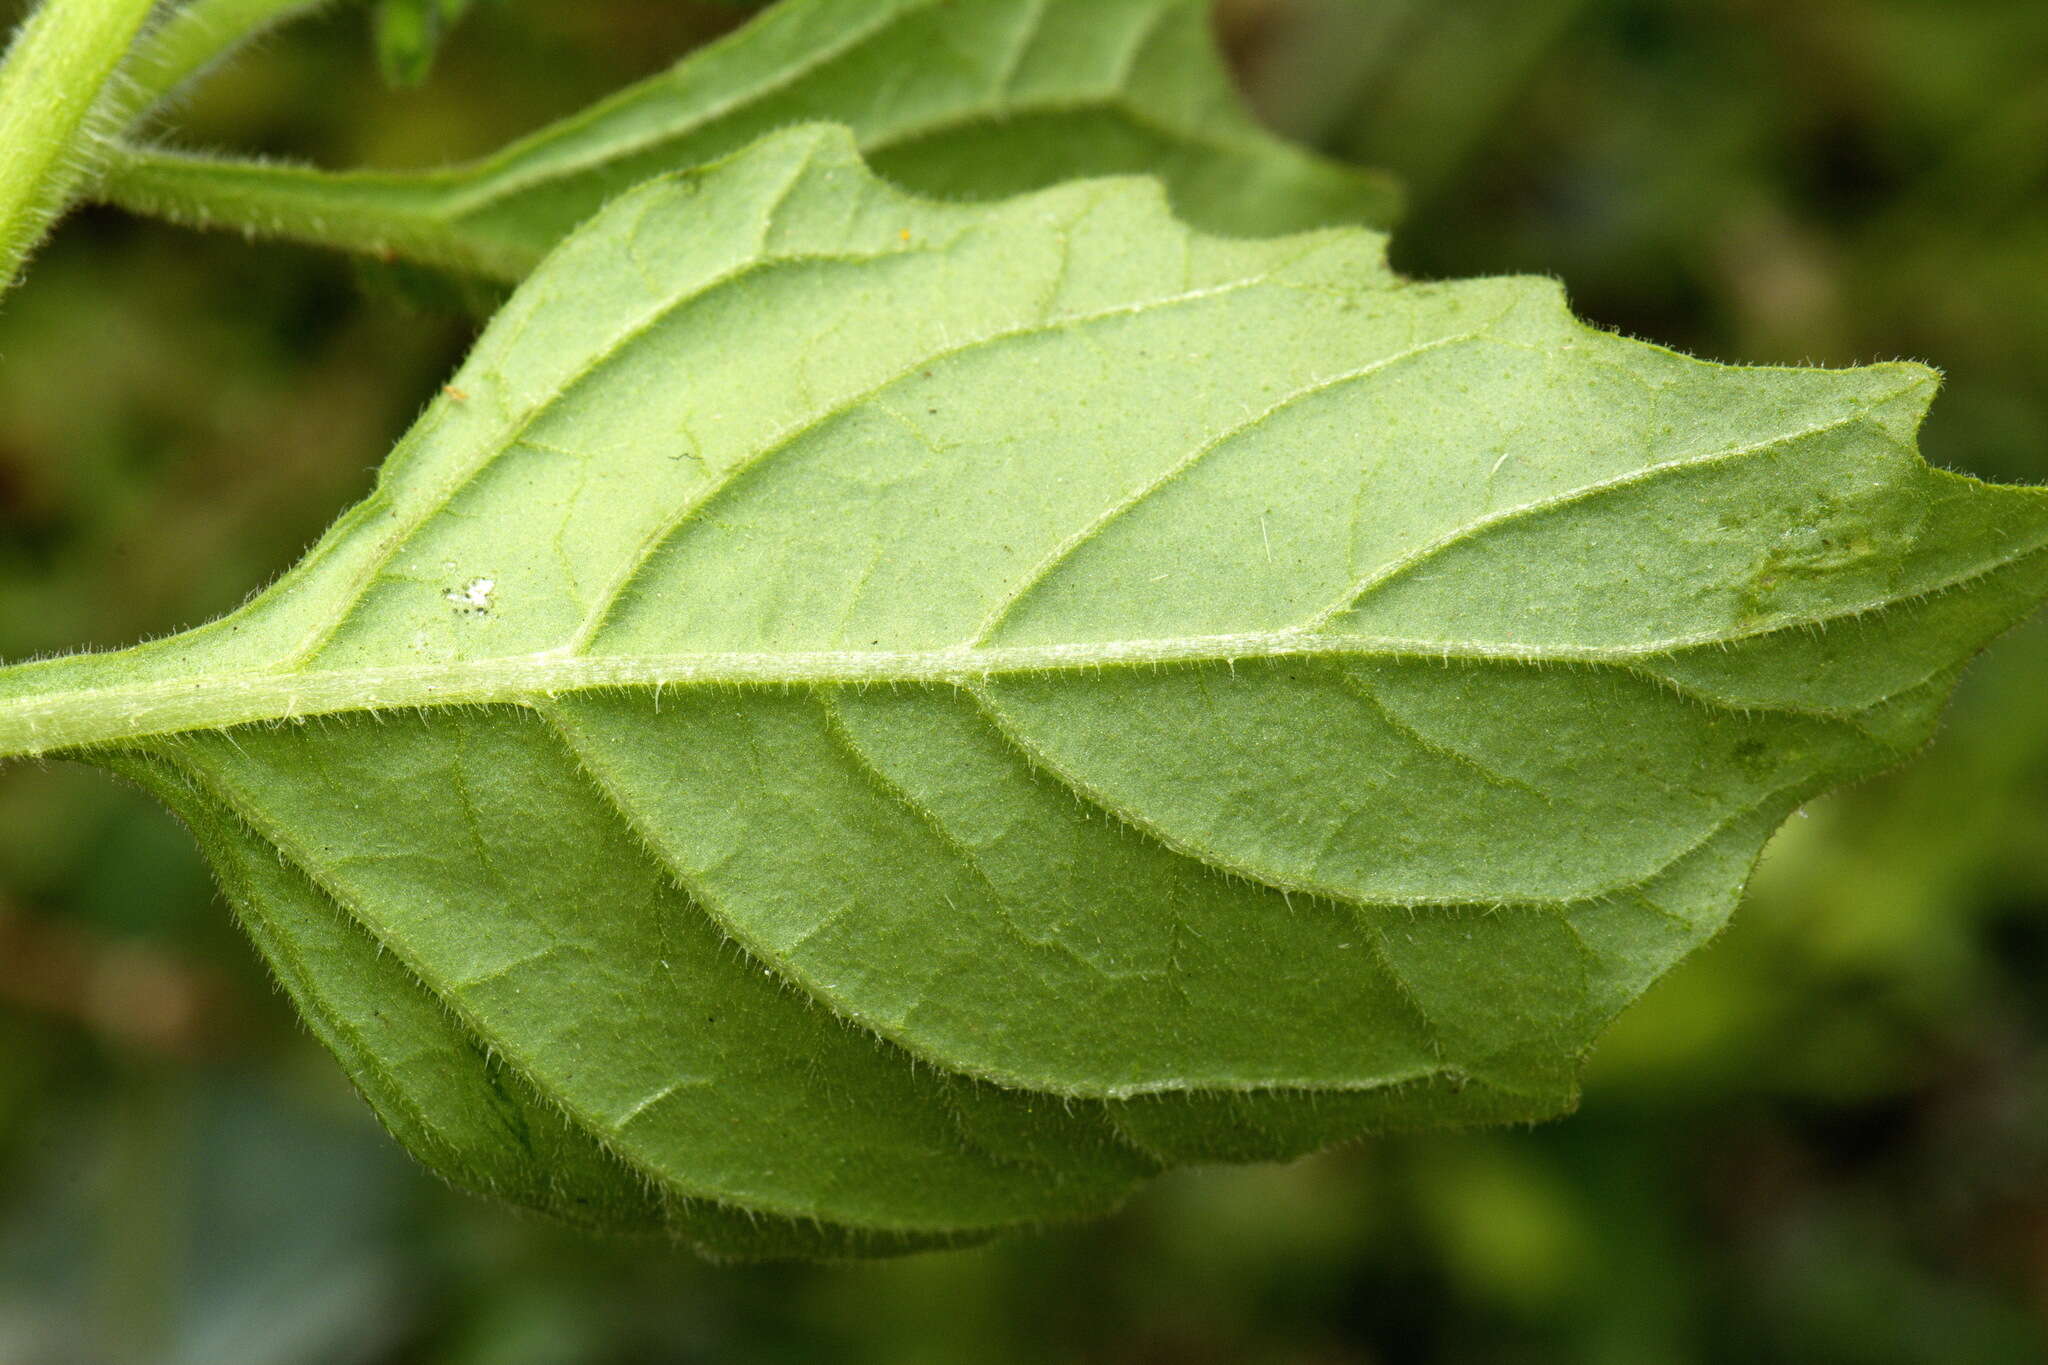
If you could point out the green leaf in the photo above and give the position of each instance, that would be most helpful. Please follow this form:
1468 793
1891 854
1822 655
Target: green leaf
408 34
974 99
856 722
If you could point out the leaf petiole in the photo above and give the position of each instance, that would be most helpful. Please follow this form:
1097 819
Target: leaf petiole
385 216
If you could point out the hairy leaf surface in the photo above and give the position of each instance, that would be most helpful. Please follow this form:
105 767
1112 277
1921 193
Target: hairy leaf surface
855 722
971 99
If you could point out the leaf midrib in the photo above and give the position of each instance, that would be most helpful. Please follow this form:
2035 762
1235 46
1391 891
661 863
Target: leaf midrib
83 719
78 719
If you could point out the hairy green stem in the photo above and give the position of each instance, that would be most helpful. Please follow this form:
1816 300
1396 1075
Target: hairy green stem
60 61
377 215
197 36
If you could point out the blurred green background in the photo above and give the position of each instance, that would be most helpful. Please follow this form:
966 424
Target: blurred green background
1824 1139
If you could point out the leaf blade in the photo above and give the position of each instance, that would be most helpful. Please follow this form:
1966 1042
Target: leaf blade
1022 94
1056 779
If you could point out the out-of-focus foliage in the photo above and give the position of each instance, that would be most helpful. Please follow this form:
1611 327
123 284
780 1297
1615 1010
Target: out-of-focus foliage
409 33
1825 1139
1031 92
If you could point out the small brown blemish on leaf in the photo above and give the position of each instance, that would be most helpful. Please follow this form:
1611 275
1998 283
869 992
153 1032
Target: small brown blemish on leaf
459 395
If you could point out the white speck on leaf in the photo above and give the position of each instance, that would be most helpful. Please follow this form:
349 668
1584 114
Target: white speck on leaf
474 596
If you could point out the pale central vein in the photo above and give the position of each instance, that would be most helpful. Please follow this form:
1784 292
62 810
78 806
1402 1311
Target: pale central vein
87 717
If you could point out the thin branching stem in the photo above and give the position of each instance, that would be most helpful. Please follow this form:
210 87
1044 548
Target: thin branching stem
191 40
59 63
